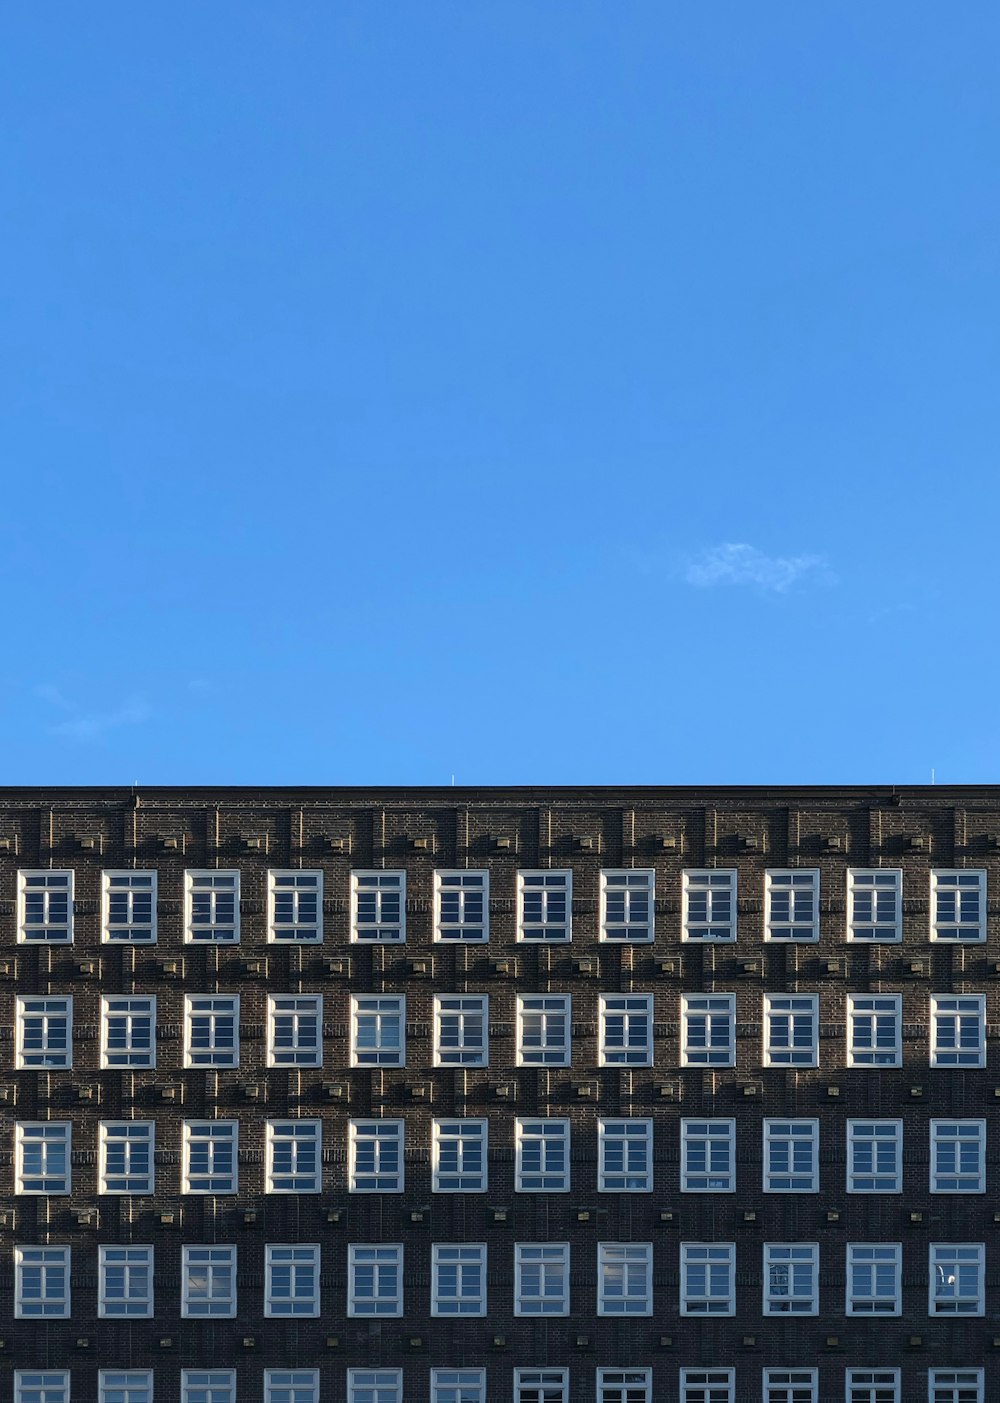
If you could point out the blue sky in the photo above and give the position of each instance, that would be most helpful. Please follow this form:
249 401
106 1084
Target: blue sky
525 392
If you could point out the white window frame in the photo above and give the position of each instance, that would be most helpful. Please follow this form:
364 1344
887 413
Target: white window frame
630 1140
213 1011
131 1008
706 1137
864 912
217 882
291 1386
787 1048
549 1137
699 889
458 1386
291 1134
957 1007
954 1386
125 928
879 1259
799 1261
387 887
53 883
216 1264
791 1132
709 1257
536 889
622 889
208 1386
213 1133
458 1266
125 1386
787 923
41 1386
631 1009
539 1266
948 886
462 887
127 1134
296 890
870 1385
790 1385
866 1156
624 1278
475 1130
704 1019
554 1038
371 1269
135 1264
705 1385
42 1289
303 1015
870 1017
387 1132
465 1052
55 1133
50 1016
539 1385
956 1135
291 1280
961 1266
373 1386
623 1385
377 1014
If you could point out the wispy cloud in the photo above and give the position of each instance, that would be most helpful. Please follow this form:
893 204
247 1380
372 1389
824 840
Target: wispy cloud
77 724
737 563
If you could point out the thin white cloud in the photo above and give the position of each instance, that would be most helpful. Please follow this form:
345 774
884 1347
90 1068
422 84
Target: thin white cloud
737 563
83 725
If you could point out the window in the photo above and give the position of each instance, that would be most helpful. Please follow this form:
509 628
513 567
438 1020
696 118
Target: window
41 1283
958 1030
791 1386
791 1030
128 1030
208 1386
374 1386
791 905
708 1278
125 1283
958 1156
541 1278
624 1278
958 905
295 907
874 904
374 1279
541 1386
873 1278
126 1156
35 1386
627 905
462 905
295 1030
291 1279
459 1151
43 1029
125 1386
874 1030
624 1156
211 1030
542 1155
707 1386
791 1156
626 1030
872 1386
874 1156
458 1278
212 907
291 1386
458 1386
461 1030
955 1386
543 1030
957 1278
294 1156
708 1030
209 1157
378 1030
378 908
791 1278
208 1282
624 1386
44 907
128 908
544 906
708 1156
708 905
42 1156
376 1156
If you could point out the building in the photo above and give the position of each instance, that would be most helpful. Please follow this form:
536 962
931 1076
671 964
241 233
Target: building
449 1095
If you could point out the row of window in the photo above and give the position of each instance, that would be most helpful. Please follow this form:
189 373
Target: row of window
614 1385
543 1029
461 905
293 1159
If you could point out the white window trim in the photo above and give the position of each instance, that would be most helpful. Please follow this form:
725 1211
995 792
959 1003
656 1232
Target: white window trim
686 1295
560 1003
458 1377
480 1131
304 1254
897 1298
31 1256
545 939
315 1134
380 1055
937 1138
398 876
561 1132
648 887
934 1270
893 934
456 1057
211 1057
290 1382
707 1379
61 1007
190 938
688 1136
542 1378
108 1011
148 1134
477 1256
717 1005
856 1056
135 1384
397 1132
856 1136
645 1138
621 1057
41 1386
296 1007
441 936
213 1255
687 885
625 1377
65 1128
392 1255
935 1051
770 1133
811 931
188 1130
214 1379
790 1056
147 1301
641 1252
872 1379
955 1379
382 1378
793 1381
107 878
936 875
23 938
767 1307
556 1252
291 932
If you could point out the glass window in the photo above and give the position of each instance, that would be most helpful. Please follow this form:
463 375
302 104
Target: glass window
374 1386
458 1278
791 1030
955 1385
378 908
462 905
874 904
708 1156
791 904
291 1279
624 1386
458 1386
461 1026
208 1386
791 1278
874 1156
378 1030
958 1030
43 1031
128 908
542 1155
708 905
708 1030
872 1385
128 1030
545 906
958 905
42 1156
874 1030
626 1030
209 1157
295 908
376 1156
295 1030
291 1386
41 1283
211 1030
375 1279
708 1278
294 1156
624 1278
791 1386
707 1386
628 905
791 1156
126 1156
543 1030
541 1278
459 1154
958 1156
624 1155
125 1386
957 1278
125 1283
873 1278
541 1386
41 1386
212 907
208 1282
45 907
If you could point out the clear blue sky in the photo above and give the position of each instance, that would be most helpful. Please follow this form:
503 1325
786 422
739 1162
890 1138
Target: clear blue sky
532 392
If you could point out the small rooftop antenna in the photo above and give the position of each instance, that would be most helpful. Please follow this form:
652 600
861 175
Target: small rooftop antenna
932 774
